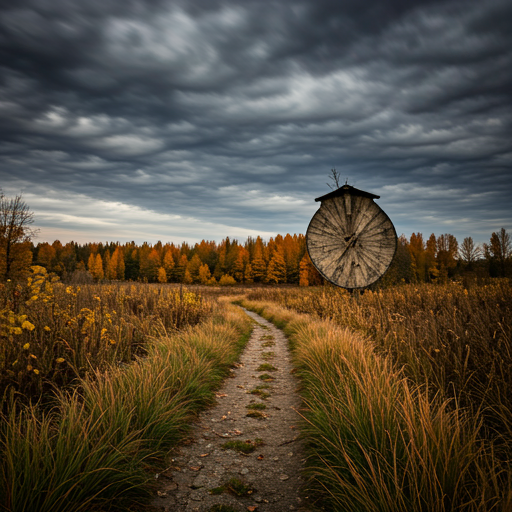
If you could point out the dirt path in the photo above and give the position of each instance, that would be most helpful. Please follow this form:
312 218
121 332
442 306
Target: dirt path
208 475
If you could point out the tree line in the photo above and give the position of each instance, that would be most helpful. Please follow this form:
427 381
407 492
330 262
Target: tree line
280 260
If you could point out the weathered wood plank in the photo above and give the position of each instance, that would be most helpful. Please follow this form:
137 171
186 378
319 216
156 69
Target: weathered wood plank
351 241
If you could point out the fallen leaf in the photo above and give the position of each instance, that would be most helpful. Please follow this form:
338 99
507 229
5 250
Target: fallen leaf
161 494
240 386
195 468
252 508
220 395
223 418
204 455
260 457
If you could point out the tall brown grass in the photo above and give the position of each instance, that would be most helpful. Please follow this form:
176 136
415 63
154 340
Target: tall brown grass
378 442
453 340
100 445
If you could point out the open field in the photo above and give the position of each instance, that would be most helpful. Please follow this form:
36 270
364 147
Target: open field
54 333
377 440
407 391
93 436
455 342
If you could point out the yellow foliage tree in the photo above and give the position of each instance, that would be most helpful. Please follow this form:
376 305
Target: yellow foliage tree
204 273
162 275
95 266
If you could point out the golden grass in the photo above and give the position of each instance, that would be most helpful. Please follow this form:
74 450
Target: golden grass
99 446
453 340
376 440
52 334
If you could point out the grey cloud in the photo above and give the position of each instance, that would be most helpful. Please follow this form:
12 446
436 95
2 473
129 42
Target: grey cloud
235 111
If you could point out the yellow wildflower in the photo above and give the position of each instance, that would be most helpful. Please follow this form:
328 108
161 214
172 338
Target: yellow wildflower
26 346
36 371
33 356
46 328
27 325
29 368
59 360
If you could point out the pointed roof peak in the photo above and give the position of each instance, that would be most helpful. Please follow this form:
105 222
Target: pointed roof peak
347 189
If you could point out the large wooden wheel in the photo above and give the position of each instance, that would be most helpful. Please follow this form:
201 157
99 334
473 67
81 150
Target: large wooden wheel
350 240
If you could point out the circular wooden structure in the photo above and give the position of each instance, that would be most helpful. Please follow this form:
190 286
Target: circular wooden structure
350 240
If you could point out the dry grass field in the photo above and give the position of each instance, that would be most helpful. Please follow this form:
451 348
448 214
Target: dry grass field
408 393
98 383
407 390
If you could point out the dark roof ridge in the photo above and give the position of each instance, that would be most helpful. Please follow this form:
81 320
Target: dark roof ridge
347 189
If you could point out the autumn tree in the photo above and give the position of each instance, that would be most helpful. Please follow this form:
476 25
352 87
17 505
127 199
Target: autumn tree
292 254
46 256
430 258
15 237
117 263
149 264
258 264
499 250
303 272
207 252
276 271
240 265
248 274
187 277
204 274
68 258
180 268
193 267
95 266
446 255
162 276
168 262
418 257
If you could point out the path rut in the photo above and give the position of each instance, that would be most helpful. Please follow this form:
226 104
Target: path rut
206 476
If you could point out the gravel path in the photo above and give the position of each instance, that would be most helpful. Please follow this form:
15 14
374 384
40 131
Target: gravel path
209 476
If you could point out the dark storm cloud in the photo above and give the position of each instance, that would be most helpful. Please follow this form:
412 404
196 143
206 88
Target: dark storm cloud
233 112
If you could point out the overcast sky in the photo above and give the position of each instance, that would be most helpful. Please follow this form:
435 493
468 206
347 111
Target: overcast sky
199 119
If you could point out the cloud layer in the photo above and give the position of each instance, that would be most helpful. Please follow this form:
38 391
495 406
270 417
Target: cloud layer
183 120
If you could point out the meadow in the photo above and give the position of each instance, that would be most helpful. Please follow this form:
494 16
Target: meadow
98 383
407 393
407 390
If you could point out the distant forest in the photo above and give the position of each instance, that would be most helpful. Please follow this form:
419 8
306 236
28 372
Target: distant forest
280 260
